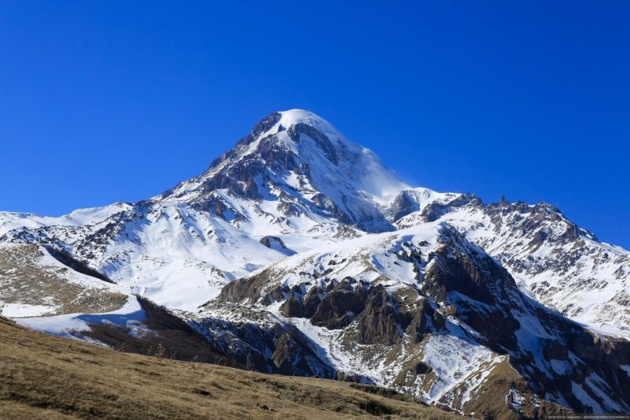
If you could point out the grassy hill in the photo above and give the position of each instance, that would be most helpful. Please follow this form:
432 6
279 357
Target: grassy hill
49 377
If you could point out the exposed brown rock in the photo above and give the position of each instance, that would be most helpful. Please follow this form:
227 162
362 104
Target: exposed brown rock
340 306
377 323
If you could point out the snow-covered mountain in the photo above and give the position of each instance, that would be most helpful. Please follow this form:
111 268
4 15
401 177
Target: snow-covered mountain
426 311
551 258
299 252
304 166
293 178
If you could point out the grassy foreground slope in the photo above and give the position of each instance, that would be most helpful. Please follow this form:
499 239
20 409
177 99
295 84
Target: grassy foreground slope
49 377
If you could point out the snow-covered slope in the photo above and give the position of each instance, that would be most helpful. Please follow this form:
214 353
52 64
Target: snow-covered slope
175 255
81 217
261 251
303 165
560 264
426 311
294 179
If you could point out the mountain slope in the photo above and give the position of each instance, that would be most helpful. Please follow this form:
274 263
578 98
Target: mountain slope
297 182
426 311
297 252
303 164
554 260
294 178
118 385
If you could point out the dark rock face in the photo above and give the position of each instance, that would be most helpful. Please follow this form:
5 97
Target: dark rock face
290 357
378 322
340 306
293 307
246 289
555 350
461 267
422 320
422 368
248 344
321 139
215 204
328 206
497 326
476 287
379 317
273 242
277 157
403 205
262 126
305 307
434 211
488 301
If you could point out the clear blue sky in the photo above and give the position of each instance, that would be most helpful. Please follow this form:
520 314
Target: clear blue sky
103 101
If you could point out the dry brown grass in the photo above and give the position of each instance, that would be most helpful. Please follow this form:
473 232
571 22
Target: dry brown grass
27 277
49 377
489 399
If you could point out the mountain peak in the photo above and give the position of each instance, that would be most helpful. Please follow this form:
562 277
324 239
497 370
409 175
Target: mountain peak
294 117
299 159
294 121
319 144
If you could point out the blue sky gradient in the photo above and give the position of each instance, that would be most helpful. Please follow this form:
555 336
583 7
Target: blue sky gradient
109 100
